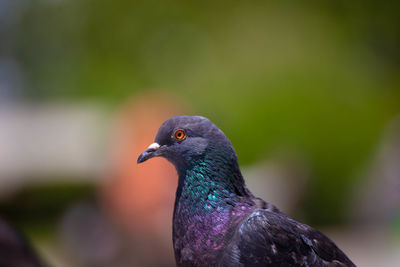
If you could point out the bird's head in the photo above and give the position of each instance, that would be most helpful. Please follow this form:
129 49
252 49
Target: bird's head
184 138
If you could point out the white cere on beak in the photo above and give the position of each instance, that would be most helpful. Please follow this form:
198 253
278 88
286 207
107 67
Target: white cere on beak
153 146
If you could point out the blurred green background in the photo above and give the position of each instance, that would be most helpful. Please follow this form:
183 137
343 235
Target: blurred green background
319 81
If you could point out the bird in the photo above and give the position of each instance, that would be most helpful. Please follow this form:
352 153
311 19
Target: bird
217 221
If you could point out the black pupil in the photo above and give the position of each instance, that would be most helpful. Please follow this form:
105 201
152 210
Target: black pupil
179 134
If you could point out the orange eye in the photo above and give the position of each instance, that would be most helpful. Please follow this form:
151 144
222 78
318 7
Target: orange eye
180 134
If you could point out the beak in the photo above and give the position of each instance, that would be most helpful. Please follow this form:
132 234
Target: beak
149 153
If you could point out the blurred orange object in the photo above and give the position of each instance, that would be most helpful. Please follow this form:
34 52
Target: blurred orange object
140 198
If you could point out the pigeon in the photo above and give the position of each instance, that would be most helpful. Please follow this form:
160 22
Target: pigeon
217 221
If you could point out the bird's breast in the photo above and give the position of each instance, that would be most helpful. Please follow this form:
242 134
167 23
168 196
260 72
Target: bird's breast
202 235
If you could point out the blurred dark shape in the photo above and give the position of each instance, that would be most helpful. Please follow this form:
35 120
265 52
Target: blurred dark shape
140 199
89 238
15 251
378 200
39 207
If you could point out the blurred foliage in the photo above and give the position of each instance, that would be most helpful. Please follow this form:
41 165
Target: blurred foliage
396 225
31 210
321 78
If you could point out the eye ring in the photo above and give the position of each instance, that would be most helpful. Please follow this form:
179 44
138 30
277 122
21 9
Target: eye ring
180 134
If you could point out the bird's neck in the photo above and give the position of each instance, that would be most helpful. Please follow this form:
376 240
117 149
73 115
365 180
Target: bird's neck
209 181
210 185
211 200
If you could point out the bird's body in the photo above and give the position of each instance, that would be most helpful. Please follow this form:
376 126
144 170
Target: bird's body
217 220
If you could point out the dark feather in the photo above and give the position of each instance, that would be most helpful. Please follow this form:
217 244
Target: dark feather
273 238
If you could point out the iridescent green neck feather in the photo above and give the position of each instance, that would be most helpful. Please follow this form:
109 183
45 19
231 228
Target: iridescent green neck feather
211 179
